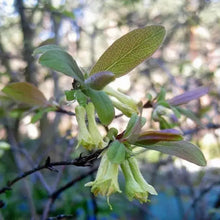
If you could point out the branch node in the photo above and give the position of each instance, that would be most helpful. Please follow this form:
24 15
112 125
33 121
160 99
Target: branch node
48 165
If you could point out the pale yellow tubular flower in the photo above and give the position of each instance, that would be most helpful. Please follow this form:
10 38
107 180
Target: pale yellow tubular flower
126 100
84 137
138 176
106 182
132 189
103 166
126 110
93 128
112 174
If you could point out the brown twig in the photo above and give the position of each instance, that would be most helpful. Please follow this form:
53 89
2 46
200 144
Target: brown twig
61 110
197 129
81 161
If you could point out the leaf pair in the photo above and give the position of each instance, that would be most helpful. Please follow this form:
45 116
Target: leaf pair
128 51
170 141
120 58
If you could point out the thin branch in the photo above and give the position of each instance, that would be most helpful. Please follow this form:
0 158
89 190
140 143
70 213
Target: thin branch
49 202
30 161
81 161
13 141
195 130
119 115
60 174
61 110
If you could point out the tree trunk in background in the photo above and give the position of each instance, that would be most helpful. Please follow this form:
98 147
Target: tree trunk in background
28 34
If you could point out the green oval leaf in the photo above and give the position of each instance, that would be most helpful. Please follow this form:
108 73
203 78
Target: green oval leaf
61 61
26 93
116 152
103 105
130 50
181 149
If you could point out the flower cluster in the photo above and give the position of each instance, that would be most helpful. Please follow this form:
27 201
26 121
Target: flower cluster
118 156
106 182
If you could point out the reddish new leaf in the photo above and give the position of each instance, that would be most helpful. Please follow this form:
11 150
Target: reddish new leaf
152 137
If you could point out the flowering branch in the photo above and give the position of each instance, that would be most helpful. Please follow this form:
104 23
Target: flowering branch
97 102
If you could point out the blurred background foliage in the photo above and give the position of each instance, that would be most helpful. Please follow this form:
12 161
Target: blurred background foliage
188 58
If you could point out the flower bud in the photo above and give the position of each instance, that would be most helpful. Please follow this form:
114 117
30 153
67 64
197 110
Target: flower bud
160 111
126 110
92 126
127 101
99 80
84 137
